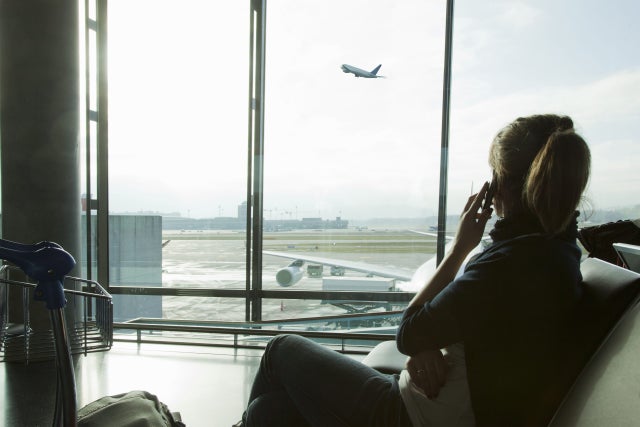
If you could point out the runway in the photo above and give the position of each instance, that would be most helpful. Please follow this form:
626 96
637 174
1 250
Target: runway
217 260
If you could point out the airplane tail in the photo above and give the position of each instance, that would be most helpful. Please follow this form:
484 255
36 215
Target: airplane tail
375 70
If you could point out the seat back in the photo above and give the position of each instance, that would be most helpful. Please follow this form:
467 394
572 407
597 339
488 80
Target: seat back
609 291
611 344
386 358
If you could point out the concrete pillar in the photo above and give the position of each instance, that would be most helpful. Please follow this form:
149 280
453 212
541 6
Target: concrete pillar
40 123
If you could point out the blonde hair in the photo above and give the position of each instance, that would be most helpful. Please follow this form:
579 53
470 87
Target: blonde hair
542 166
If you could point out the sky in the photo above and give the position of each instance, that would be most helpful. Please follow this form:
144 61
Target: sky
336 145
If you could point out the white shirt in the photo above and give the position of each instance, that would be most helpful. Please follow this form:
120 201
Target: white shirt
452 407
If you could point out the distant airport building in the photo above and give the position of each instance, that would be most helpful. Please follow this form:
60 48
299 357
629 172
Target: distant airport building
305 224
135 257
176 222
242 211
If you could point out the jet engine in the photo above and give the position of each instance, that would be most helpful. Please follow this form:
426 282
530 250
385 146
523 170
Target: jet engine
290 275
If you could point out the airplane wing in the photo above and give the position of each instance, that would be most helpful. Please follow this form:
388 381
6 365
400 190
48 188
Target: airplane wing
427 233
411 281
362 267
485 238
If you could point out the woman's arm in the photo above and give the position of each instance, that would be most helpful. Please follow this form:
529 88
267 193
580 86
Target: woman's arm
470 231
428 368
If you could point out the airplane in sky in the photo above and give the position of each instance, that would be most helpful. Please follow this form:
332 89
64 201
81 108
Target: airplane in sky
357 72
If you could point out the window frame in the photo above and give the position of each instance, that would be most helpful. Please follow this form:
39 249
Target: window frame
254 294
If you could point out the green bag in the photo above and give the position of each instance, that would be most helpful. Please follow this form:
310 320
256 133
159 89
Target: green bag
133 409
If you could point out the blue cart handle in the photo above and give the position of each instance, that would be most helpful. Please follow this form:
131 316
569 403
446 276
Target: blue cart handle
46 263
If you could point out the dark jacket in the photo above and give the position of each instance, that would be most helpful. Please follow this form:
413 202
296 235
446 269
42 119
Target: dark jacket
513 309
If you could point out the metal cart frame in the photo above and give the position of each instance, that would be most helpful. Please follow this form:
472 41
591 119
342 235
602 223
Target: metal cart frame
87 327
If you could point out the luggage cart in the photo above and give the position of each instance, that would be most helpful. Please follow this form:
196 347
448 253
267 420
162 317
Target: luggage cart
86 326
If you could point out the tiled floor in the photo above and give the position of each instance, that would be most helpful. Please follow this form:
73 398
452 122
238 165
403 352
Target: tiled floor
209 386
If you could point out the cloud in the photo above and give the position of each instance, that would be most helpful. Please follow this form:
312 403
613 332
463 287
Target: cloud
336 142
519 15
604 111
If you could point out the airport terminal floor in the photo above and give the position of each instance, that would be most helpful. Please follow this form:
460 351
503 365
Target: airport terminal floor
209 386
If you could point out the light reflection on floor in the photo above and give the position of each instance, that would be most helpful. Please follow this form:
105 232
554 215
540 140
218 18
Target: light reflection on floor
208 386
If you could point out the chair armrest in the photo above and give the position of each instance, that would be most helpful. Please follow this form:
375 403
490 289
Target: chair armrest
386 358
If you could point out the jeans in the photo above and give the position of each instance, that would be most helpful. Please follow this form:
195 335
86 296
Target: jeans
301 383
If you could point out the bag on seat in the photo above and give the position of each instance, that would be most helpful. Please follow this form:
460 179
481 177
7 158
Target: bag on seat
598 240
132 409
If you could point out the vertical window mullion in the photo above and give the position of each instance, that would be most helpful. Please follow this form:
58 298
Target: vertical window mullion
102 233
256 123
90 26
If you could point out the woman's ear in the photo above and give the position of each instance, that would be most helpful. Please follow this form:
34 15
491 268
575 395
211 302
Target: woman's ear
500 199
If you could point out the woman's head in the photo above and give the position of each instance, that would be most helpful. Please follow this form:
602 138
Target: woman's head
542 167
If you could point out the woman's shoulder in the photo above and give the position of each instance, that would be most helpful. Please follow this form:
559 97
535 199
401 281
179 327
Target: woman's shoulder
525 253
531 244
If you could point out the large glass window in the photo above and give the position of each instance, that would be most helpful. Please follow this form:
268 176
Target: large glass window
352 140
351 162
178 73
572 57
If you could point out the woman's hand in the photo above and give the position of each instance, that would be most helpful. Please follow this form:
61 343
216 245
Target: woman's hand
428 371
472 223
470 231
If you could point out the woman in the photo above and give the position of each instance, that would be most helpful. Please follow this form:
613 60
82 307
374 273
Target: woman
503 322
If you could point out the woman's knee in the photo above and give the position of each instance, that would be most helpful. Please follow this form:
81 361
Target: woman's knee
288 338
285 341
273 409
